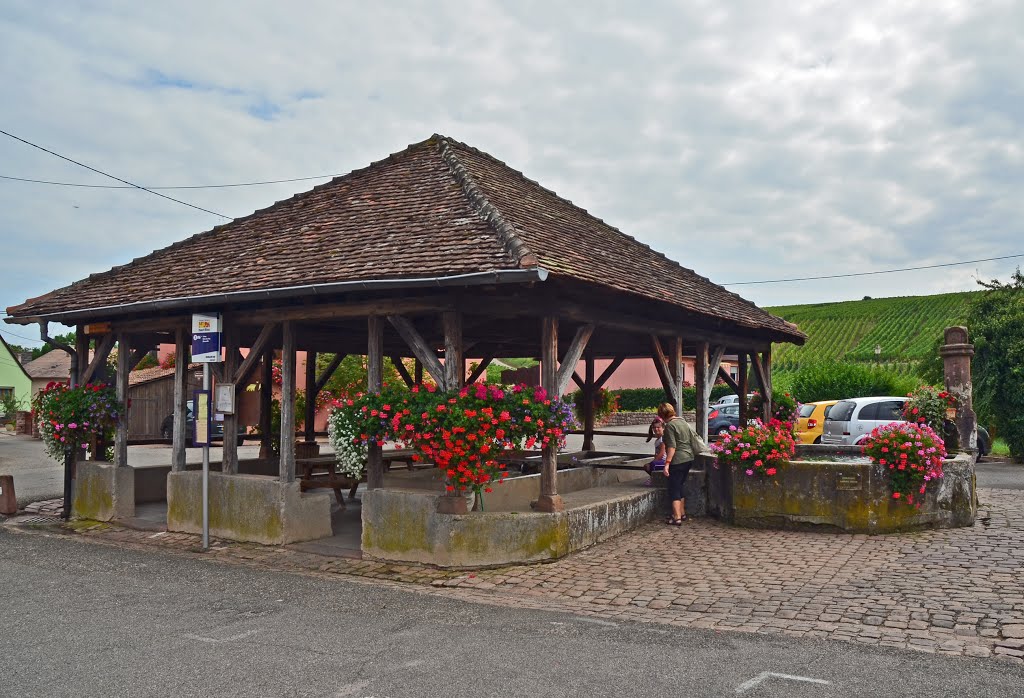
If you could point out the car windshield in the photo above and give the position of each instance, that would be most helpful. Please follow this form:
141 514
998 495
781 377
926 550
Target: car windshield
841 411
806 410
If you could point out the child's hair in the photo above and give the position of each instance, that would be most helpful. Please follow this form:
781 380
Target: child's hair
658 422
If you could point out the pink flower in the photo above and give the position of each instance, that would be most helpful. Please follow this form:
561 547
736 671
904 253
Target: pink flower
749 472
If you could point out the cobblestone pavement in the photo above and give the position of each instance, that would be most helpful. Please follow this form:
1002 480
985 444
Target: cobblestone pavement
958 591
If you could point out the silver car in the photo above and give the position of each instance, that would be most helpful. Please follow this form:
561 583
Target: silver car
849 422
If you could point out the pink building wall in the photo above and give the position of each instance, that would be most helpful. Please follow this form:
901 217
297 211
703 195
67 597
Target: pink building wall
636 373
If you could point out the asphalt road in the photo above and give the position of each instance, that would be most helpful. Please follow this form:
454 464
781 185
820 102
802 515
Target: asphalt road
82 619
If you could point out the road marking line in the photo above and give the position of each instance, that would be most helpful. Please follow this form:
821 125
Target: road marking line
157 535
762 677
597 621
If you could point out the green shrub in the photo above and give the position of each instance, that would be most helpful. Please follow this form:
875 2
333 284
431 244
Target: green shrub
838 381
997 325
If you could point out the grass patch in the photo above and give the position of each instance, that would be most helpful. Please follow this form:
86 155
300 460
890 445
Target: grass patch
1000 448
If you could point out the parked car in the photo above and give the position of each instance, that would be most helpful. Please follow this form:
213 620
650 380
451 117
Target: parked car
812 420
984 441
849 422
216 427
723 417
729 400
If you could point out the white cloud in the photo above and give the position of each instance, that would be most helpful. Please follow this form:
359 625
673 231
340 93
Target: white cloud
752 140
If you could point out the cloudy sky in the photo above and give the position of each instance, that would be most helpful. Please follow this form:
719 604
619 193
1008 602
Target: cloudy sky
748 140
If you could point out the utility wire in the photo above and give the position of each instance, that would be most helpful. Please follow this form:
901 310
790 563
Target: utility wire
123 181
194 186
870 273
19 336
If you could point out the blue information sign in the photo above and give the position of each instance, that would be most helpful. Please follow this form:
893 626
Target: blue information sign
206 338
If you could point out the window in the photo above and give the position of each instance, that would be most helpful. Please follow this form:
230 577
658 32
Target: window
807 410
869 411
891 411
841 411
6 393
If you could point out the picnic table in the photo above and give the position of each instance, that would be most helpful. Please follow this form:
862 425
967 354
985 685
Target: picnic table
322 471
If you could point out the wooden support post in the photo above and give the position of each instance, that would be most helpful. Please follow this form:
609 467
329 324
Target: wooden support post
549 499
762 369
417 372
121 431
589 393
229 447
266 403
81 359
179 433
700 380
744 388
454 360
728 380
374 384
664 373
309 418
288 402
677 374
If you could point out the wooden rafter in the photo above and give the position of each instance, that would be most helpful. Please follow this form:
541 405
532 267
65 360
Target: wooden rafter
99 359
328 371
255 355
607 373
572 357
480 369
403 372
419 348
661 364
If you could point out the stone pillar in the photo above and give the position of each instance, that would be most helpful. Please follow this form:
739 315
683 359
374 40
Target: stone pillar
956 362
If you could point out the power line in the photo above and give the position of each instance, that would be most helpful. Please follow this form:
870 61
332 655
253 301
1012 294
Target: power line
194 186
123 181
870 273
19 336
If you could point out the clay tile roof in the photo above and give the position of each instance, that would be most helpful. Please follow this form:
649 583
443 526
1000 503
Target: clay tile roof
437 208
55 364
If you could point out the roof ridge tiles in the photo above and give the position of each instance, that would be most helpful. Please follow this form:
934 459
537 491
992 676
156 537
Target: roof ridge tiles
600 220
484 208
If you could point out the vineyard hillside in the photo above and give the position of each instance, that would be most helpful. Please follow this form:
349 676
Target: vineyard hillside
905 329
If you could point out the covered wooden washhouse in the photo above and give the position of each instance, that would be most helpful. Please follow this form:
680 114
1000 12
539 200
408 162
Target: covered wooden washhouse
439 251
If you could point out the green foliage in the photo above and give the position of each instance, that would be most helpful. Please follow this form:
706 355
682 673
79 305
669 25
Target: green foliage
648 399
67 338
996 322
10 405
605 403
520 363
905 329
148 361
838 380
350 376
784 407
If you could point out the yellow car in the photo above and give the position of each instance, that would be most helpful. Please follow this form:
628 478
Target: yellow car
812 420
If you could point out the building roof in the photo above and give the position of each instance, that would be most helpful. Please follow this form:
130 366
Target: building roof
53 365
437 208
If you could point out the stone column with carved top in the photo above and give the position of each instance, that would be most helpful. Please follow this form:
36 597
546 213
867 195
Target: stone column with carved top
956 355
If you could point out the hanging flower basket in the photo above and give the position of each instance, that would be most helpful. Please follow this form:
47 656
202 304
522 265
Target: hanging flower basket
70 418
464 433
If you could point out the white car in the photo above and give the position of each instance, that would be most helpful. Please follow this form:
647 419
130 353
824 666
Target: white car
851 421
726 400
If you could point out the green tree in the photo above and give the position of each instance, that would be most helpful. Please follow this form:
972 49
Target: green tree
350 376
996 322
67 338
